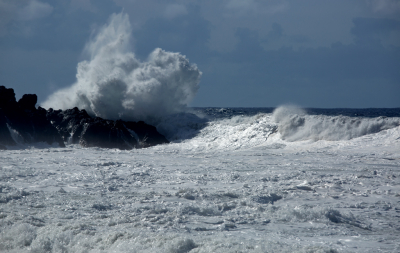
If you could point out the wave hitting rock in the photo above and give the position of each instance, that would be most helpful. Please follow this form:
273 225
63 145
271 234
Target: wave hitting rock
76 126
21 123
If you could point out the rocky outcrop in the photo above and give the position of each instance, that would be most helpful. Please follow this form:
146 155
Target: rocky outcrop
146 134
21 122
77 126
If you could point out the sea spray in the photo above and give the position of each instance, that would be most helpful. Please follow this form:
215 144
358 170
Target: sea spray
114 84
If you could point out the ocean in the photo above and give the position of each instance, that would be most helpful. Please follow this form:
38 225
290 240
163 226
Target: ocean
231 180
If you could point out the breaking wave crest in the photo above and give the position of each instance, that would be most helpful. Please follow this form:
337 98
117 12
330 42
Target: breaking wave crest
295 125
272 130
115 84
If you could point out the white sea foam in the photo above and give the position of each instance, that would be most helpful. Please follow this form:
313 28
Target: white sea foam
223 190
195 133
285 125
113 83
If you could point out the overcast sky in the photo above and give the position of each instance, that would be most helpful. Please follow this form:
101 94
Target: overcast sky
312 53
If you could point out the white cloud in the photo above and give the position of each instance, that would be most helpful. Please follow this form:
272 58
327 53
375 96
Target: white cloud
35 10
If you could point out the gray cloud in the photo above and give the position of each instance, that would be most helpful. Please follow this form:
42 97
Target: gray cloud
386 7
83 5
352 75
188 34
35 10
9 12
175 10
373 30
252 53
276 32
251 7
12 12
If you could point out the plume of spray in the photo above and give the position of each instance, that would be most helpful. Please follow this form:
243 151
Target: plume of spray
114 84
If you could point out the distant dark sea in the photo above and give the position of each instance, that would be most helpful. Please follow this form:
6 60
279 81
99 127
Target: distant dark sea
226 112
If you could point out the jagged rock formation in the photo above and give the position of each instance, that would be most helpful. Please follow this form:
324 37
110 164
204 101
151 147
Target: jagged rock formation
21 122
77 126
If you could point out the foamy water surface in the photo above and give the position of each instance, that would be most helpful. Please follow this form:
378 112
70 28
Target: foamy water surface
228 182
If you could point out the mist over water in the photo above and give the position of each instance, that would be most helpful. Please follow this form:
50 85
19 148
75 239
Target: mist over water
113 83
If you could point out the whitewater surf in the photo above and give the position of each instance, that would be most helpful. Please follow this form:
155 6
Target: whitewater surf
232 180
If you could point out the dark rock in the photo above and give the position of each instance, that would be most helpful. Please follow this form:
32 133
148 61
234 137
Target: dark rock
78 127
147 134
107 134
7 98
5 136
24 121
28 102
69 123
21 122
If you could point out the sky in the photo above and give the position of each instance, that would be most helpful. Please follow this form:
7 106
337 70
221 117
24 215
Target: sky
311 53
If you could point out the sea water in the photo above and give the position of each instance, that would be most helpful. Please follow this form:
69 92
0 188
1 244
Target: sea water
231 180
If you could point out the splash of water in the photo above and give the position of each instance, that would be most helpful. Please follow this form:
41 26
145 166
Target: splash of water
115 84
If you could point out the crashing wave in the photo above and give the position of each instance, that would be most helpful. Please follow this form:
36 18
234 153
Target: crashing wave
114 84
